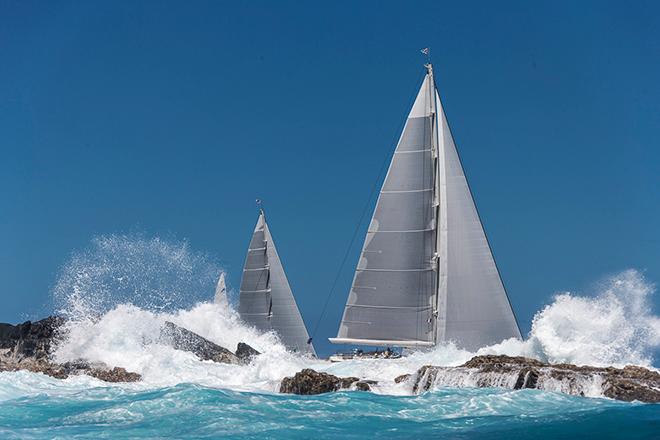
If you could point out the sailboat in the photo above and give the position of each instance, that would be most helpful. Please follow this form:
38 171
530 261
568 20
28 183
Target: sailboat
265 298
221 291
426 273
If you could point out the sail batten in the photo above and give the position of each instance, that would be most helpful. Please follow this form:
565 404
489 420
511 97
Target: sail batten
426 272
266 301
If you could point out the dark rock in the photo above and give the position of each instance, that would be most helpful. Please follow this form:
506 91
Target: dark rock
402 378
629 383
245 353
527 378
183 339
497 362
308 382
424 378
62 371
363 385
116 374
30 339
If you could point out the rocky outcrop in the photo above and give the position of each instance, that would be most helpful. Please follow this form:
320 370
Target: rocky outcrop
628 384
116 374
30 340
308 382
186 340
183 339
245 353
27 347
402 378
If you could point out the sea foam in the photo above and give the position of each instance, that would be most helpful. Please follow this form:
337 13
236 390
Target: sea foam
118 293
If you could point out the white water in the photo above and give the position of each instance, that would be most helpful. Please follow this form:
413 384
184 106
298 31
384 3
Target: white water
119 293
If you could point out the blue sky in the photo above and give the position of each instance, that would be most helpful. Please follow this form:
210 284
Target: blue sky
172 117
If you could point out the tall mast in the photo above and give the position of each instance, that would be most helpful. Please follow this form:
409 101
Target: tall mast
436 196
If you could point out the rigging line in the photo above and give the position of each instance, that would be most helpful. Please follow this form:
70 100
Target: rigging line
387 159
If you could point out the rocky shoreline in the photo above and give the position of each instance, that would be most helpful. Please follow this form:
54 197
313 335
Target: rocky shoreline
28 346
628 384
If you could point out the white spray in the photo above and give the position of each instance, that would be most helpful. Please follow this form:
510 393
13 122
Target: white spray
118 294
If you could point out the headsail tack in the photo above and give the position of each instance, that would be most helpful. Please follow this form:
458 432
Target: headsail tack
426 273
266 301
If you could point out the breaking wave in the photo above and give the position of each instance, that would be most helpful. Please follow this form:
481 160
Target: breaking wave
615 325
118 293
150 273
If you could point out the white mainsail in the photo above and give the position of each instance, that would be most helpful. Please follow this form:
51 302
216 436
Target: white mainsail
265 300
426 273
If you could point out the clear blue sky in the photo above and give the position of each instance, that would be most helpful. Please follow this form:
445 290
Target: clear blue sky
172 117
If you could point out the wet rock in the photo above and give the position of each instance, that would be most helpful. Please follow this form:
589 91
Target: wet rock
62 371
527 378
245 353
364 385
308 382
29 340
116 374
628 384
183 339
402 378
499 362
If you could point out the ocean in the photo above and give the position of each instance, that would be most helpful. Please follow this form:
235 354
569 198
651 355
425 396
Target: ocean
85 410
119 293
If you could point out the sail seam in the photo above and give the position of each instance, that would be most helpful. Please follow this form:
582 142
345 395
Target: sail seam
396 191
411 151
420 308
395 270
407 230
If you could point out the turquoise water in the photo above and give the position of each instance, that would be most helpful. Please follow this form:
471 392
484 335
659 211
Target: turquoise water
119 294
193 411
